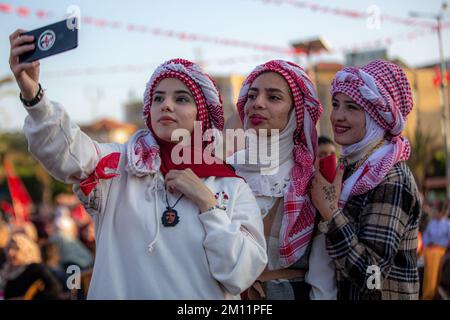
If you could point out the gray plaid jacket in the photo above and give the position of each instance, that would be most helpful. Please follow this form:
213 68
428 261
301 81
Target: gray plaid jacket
375 237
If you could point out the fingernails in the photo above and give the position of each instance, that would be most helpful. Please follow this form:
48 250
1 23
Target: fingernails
342 167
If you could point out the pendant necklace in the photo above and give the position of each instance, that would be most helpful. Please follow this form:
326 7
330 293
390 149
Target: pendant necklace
170 216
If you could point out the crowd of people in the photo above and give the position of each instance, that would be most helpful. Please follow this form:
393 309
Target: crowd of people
67 228
36 255
174 221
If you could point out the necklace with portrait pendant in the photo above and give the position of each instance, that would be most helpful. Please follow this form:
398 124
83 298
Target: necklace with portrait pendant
170 216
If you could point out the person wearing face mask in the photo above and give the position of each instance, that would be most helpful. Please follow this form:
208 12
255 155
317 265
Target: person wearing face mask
326 147
214 250
279 108
370 213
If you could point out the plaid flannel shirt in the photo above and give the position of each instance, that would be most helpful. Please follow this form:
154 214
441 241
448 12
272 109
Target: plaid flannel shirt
378 231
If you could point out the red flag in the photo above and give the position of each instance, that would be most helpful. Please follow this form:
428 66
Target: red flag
437 76
20 198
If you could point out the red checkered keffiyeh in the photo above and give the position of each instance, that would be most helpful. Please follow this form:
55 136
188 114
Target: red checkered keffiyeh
383 91
205 92
148 153
299 213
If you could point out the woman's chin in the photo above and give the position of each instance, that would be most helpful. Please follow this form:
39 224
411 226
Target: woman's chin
259 129
165 136
345 141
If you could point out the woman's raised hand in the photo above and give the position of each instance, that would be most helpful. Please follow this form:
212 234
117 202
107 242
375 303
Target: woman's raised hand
188 183
325 195
26 74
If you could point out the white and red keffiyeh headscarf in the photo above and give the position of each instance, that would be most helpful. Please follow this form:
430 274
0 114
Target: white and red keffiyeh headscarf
383 91
203 88
299 213
146 152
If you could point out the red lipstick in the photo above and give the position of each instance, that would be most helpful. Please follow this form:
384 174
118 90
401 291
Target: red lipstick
257 119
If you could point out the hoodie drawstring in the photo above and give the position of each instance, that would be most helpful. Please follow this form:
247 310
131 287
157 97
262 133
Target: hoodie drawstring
155 239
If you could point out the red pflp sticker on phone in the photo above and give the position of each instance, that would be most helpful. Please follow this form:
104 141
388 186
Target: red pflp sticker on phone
327 167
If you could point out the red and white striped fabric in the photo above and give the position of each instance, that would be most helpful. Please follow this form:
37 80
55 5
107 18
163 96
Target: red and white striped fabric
299 213
205 92
383 91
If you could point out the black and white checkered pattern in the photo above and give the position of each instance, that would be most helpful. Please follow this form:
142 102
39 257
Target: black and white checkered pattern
378 228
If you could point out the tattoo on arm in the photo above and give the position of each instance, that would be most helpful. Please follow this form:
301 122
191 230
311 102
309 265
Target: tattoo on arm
330 195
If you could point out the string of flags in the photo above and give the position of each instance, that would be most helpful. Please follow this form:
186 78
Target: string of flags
350 13
24 12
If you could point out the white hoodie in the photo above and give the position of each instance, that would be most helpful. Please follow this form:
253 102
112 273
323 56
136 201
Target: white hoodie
214 255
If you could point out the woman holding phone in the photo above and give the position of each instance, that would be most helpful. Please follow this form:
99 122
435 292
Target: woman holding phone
164 229
371 219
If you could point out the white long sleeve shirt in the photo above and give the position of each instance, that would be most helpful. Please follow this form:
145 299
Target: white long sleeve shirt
321 271
214 255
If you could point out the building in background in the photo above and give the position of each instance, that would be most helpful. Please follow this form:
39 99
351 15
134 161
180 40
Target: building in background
324 73
133 112
109 130
360 58
425 81
229 87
